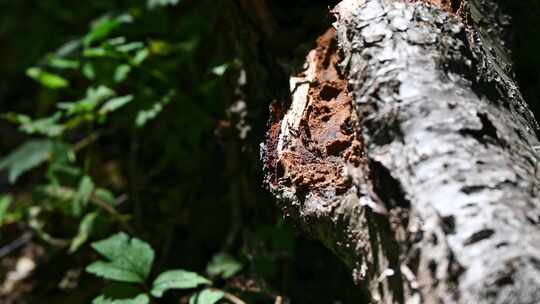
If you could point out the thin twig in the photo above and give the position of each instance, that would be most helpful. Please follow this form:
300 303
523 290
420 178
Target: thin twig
57 242
99 202
229 296
279 300
85 142
16 244
134 182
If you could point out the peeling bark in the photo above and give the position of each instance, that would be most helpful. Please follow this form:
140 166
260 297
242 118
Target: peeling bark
420 173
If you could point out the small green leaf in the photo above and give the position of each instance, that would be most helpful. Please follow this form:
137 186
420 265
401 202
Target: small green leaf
85 230
61 160
114 272
97 52
68 48
128 47
50 80
61 63
94 97
89 71
86 188
45 126
177 279
19 119
160 47
129 260
140 299
116 41
103 27
26 157
157 3
147 115
121 72
48 126
141 56
105 195
220 70
115 104
207 296
5 202
223 265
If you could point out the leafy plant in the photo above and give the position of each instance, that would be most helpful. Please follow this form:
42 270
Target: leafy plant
130 261
223 265
26 157
123 113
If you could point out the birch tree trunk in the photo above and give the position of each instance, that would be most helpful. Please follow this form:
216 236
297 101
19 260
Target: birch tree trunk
408 150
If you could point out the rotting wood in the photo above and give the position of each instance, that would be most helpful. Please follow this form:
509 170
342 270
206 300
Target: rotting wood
313 154
321 125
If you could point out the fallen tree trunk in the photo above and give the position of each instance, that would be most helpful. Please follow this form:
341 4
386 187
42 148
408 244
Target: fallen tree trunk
408 150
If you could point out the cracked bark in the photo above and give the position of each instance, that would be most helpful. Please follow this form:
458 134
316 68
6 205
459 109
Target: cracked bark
408 150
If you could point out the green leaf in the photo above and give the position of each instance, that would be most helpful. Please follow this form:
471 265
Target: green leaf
160 47
68 48
128 47
105 195
116 41
89 71
85 230
103 27
115 104
115 272
220 70
140 299
157 3
97 52
94 97
86 188
147 115
5 202
177 279
141 56
26 157
223 265
48 126
121 72
207 296
61 161
61 63
129 260
50 80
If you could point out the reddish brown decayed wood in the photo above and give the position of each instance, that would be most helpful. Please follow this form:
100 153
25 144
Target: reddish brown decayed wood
327 138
